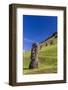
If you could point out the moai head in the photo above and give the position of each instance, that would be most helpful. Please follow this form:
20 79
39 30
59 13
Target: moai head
34 50
34 56
34 45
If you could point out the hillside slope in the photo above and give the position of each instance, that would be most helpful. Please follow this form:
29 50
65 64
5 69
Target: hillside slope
47 62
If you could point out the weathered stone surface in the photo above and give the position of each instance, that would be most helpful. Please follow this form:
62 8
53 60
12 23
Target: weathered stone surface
34 57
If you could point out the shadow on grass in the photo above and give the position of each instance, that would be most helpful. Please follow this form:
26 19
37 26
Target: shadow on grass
25 68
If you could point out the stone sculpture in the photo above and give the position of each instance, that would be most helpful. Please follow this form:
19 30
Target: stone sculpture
34 56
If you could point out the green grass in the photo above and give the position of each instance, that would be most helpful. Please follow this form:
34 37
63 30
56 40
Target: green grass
47 62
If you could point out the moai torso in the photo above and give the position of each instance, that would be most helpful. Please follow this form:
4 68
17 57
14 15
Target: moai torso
34 56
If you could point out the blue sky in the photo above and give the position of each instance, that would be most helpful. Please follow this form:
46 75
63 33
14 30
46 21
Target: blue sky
37 29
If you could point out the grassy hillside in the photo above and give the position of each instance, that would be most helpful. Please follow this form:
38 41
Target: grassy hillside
47 61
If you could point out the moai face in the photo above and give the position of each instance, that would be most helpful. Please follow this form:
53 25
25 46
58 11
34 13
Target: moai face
33 51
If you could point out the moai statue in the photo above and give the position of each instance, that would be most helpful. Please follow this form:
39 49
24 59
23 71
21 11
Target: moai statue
34 56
